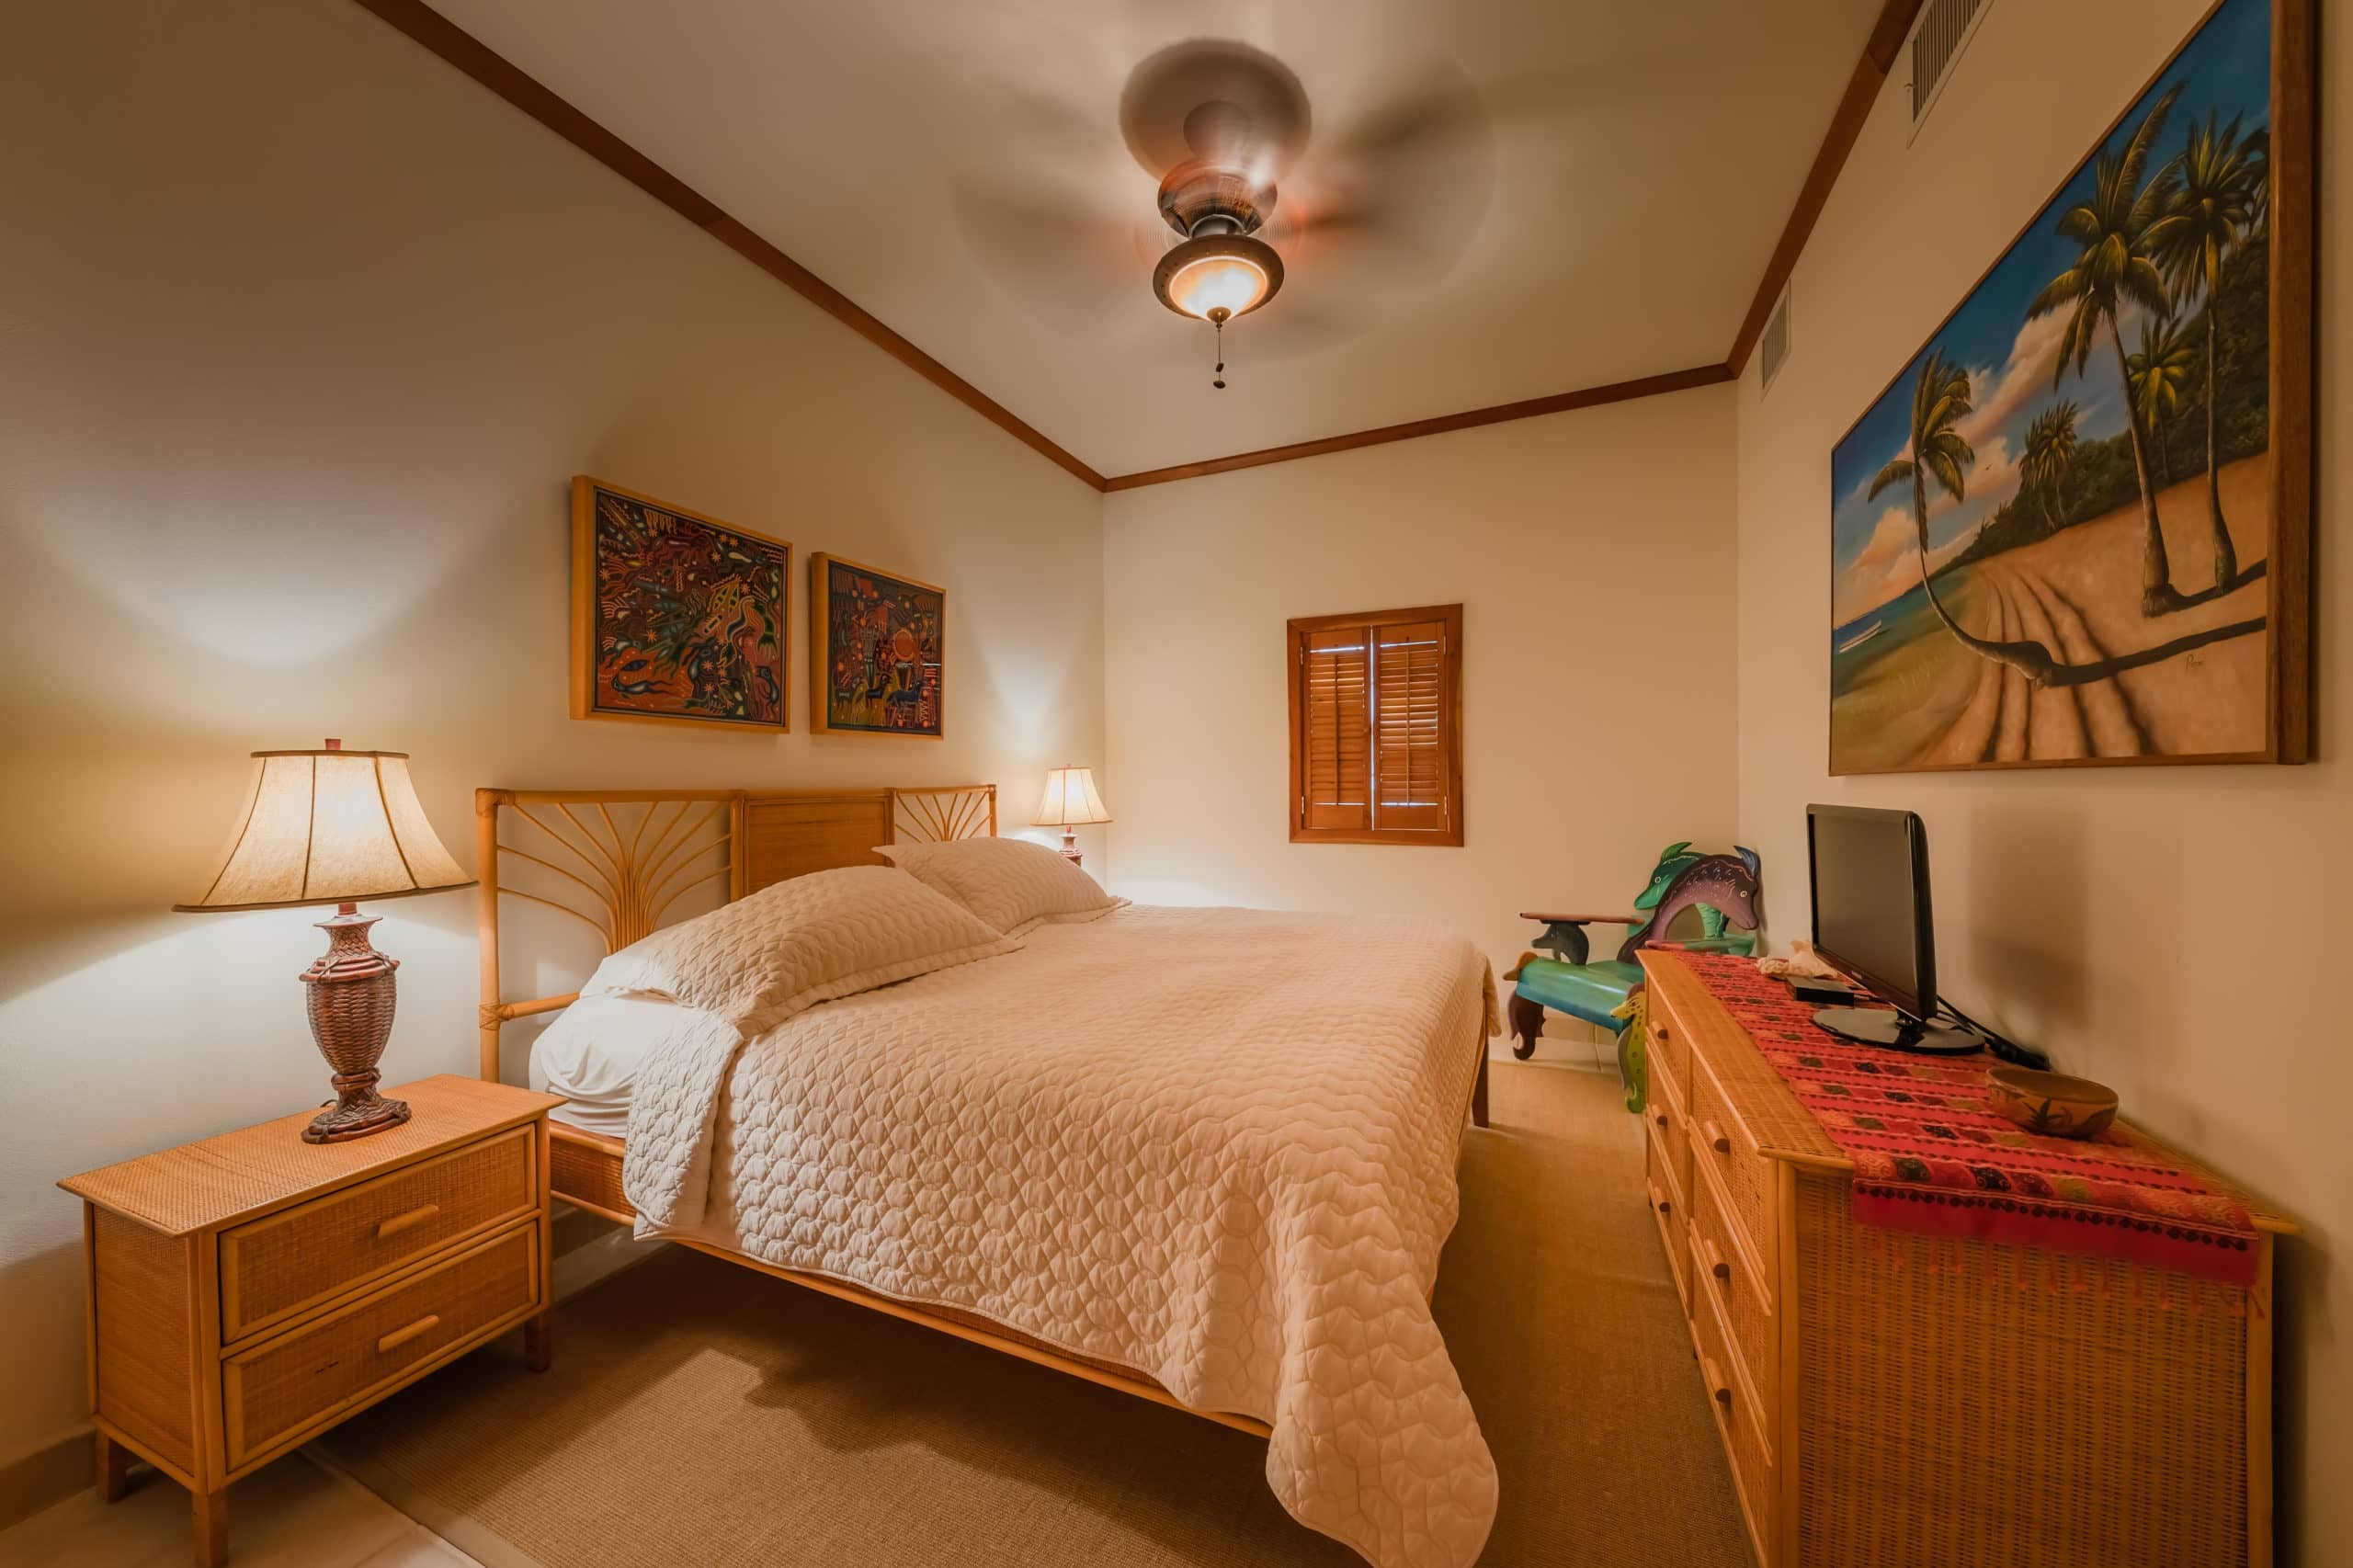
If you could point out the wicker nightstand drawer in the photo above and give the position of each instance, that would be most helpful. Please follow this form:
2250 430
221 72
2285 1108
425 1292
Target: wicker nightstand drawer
275 1267
307 1377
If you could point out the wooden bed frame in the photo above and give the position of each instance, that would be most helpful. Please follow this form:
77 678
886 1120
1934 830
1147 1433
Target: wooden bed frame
618 860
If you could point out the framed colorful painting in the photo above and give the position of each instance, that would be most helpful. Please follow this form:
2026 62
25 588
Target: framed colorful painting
2076 528
675 616
874 650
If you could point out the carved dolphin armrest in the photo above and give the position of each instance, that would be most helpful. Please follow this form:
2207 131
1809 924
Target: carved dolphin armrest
1564 935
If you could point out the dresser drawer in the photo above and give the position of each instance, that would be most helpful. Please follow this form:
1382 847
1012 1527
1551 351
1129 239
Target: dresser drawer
1723 1270
1665 1199
1721 1145
1666 1081
1670 1130
277 1266
1670 1042
1741 1422
317 1372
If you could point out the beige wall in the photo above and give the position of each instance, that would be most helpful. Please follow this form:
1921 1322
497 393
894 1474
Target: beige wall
302 334
1592 553
2177 932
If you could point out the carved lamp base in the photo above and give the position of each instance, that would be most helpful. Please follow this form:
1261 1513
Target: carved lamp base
1070 845
350 999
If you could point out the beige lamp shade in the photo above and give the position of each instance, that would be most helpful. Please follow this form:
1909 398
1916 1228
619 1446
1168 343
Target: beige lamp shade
1071 799
329 826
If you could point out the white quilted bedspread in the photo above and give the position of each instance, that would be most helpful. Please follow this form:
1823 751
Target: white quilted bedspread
1216 1147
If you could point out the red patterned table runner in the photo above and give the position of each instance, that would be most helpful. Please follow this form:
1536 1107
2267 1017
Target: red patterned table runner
1930 1156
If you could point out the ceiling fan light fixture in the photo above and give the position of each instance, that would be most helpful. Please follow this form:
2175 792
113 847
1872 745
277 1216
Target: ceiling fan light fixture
1231 273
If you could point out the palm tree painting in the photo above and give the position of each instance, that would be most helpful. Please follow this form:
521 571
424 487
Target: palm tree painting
2113 270
1939 399
2049 448
2154 374
2069 530
2211 203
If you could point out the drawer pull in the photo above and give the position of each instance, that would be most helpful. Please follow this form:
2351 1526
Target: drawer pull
1715 1260
401 1336
1659 1203
1658 1033
1660 1117
1716 1383
399 1223
1715 1136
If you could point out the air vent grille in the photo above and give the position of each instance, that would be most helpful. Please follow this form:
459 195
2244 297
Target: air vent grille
1937 38
1773 348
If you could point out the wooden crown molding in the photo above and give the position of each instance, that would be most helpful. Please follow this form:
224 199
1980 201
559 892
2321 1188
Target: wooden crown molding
425 26
1558 402
1846 125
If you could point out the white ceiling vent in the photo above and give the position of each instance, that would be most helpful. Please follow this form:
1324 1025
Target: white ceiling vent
1773 348
1942 31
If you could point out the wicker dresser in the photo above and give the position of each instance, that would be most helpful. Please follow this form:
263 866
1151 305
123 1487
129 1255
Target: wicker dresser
248 1292
1886 1398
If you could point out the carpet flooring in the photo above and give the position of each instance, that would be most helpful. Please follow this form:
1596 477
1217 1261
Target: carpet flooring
701 1413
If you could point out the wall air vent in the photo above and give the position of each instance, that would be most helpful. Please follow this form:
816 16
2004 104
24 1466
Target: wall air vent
1773 348
1941 32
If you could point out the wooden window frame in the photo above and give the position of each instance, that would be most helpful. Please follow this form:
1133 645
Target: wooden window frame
1450 725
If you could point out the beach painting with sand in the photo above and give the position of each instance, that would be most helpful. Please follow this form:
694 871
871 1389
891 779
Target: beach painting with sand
2058 536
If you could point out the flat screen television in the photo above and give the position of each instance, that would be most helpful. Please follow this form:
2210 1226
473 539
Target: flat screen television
1872 923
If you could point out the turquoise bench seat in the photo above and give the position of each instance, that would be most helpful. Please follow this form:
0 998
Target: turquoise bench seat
1588 991
1594 992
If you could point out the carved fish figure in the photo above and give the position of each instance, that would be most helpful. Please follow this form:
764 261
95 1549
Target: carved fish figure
1726 883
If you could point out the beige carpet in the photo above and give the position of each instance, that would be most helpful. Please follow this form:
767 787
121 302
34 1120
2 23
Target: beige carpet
701 1414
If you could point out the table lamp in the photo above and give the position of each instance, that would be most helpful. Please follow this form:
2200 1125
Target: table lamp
1071 799
335 826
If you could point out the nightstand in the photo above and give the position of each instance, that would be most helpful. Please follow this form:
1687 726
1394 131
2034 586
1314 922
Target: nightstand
248 1292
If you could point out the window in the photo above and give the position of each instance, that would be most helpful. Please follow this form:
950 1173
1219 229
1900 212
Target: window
1375 728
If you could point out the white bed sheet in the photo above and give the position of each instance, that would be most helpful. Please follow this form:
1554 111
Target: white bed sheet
593 1052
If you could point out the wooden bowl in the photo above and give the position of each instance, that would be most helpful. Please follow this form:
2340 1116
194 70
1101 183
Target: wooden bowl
2050 1103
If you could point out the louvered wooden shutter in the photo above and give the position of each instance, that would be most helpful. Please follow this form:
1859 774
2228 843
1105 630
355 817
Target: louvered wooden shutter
1375 736
1410 764
1335 743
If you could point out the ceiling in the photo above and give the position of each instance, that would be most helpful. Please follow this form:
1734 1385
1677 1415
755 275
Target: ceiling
1562 193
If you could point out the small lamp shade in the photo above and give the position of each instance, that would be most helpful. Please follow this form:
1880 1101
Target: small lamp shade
1071 799
335 826
328 827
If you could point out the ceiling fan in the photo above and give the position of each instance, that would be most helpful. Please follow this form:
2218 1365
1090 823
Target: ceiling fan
1246 185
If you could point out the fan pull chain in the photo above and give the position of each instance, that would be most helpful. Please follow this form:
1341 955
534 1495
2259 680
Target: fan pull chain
1219 379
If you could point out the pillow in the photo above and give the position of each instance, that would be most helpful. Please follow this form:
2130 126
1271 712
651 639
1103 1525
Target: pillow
1010 883
761 960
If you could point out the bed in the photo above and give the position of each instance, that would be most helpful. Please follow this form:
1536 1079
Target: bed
1204 1157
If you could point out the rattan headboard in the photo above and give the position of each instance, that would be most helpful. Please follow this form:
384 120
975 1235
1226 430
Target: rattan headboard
620 860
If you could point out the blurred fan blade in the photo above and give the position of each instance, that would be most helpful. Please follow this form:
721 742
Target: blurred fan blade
1258 117
1076 262
1391 199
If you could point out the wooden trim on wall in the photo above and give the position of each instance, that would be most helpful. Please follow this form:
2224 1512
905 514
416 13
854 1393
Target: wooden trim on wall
420 23
427 26
1829 161
2295 71
1558 402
